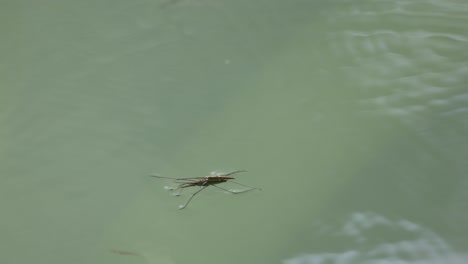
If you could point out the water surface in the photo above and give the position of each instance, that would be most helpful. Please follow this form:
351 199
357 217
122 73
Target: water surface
350 115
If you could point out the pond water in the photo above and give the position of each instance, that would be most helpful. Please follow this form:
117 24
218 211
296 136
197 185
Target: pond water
351 116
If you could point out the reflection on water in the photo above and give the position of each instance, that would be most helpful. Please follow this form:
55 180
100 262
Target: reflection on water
409 243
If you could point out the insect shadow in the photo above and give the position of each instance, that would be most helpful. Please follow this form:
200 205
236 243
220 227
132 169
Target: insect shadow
204 182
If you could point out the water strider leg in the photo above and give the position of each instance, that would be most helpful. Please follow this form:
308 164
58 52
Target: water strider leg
195 193
174 189
157 176
251 188
225 189
180 191
227 174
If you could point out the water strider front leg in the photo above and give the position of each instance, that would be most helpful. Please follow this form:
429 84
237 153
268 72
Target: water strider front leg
234 172
174 189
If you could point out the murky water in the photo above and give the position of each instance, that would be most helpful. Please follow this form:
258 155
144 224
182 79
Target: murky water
351 116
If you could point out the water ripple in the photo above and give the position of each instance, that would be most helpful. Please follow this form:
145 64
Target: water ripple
408 58
411 243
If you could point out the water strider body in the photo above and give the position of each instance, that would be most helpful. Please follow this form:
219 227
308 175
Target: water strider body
205 182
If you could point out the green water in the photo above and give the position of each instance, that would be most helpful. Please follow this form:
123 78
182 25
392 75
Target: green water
352 116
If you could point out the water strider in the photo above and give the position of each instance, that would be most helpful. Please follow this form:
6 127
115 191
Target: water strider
205 182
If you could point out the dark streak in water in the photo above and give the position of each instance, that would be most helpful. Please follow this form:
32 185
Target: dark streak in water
122 252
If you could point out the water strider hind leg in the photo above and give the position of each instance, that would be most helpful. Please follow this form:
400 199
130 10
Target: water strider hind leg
225 189
251 188
191 197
